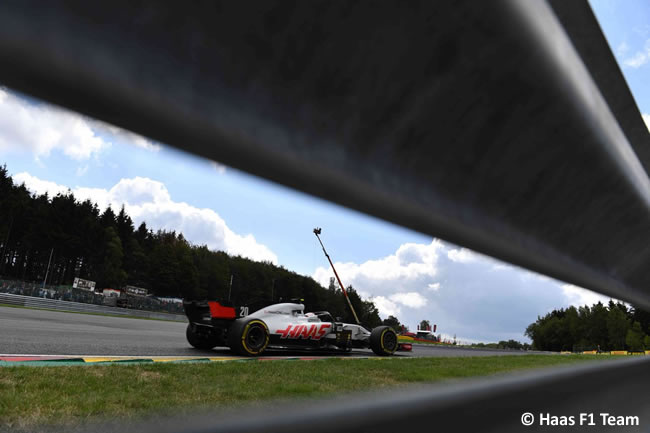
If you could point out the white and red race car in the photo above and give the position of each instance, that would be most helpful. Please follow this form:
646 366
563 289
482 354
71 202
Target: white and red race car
279 326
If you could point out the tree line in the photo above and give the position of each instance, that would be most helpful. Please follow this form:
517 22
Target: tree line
503 344
599 327
76 239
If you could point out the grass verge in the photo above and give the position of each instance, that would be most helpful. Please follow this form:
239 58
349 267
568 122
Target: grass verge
31 396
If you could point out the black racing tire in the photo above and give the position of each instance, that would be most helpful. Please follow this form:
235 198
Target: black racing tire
248 337
200 341
383 341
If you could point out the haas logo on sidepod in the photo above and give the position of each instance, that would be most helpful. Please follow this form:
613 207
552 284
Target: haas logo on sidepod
314 332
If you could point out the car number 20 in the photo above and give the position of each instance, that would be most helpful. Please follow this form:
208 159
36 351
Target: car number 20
243 311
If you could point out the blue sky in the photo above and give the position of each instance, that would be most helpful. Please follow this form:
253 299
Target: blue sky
626 25
403 272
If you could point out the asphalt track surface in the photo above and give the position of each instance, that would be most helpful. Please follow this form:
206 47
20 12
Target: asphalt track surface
40 332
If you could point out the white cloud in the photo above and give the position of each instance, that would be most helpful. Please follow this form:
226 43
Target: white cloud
39 186
126 136
639 58
465 293
622 48
462 255
148 200
646 119
386 306
410 299
40 129
219 168
578 297
412 265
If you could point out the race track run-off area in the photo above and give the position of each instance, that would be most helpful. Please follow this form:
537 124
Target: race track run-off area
27 332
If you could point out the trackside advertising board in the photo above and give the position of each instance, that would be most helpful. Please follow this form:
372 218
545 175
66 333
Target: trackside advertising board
137 291
80 283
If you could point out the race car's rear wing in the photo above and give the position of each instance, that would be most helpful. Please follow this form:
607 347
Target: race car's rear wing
205 311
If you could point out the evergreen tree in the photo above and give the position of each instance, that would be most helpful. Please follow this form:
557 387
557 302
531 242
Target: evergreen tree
634 338
112 274
393 322
617 326
108 218
598 334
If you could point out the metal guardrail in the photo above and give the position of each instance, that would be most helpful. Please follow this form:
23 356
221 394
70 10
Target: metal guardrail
71 294
53 304
500 126
500 141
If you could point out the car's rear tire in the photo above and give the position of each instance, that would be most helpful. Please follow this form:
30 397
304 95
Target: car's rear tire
383 340
248 337
199 341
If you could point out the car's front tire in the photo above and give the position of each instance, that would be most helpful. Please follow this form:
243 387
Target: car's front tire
383 340
248 337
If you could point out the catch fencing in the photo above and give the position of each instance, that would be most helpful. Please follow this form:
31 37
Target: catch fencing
54 304
71 294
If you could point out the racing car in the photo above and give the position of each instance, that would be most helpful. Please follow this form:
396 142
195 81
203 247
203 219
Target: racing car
279 326
283 326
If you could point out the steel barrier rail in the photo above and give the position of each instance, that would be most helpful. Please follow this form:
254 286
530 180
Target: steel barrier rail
503 126
55 304
476 122
585 34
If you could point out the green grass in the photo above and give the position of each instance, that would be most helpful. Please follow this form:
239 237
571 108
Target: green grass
87 313
33 395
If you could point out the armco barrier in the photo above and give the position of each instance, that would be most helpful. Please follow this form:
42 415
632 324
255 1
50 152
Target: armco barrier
53 304
524 144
